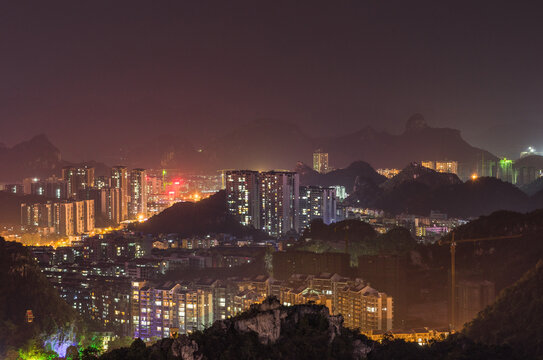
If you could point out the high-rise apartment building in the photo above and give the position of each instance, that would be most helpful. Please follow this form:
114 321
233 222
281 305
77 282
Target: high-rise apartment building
505 170
83 216
64 218
242 189
365 308
102 182
317 203
78 178
267 200
170 308
472 296
14 188
137 206
110 204
119 180
279 202
107 204
320 161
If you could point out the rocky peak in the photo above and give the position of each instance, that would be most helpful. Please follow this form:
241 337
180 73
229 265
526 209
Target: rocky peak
416 123
270 321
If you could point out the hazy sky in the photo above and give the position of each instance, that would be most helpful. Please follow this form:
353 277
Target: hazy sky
97 75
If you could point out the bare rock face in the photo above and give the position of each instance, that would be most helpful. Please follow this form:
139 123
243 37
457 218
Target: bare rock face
361 350
267 325
270 318
270 321
185 349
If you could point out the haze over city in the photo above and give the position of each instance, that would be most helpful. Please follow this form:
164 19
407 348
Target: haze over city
125 72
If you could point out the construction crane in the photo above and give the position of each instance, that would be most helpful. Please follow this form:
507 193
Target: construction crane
452 243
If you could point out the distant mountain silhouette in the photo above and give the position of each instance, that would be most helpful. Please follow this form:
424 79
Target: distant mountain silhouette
193 219
418 142
37 157
346 177
418 190
167 151
274 144
262 145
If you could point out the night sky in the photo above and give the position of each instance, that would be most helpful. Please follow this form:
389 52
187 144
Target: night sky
99 75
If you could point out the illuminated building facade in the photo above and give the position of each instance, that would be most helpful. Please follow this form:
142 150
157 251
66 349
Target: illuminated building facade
421 336
365 308
170 307
52 187
388 173
137 206
505 170
65 218
242 189
279 194
119 180
101 182
317 203
341 194
442 166
266 200
320 162
14 188
78 178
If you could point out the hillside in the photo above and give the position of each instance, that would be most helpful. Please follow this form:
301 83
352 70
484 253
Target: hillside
347 177
23 287
418 190
192 219
514 256
515 318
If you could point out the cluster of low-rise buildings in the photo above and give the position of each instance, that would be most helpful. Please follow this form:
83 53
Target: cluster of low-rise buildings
424 228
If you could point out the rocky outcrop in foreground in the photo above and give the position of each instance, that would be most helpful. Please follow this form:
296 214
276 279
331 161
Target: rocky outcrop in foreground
268 328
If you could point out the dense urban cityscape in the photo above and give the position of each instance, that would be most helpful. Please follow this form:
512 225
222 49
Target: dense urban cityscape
186 218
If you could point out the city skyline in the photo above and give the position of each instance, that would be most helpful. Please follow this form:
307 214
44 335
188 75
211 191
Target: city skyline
271 180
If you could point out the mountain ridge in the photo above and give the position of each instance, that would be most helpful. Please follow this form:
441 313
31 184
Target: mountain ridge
271 144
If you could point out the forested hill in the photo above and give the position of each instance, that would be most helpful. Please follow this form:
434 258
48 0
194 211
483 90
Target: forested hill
515 318
23 287
192 219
